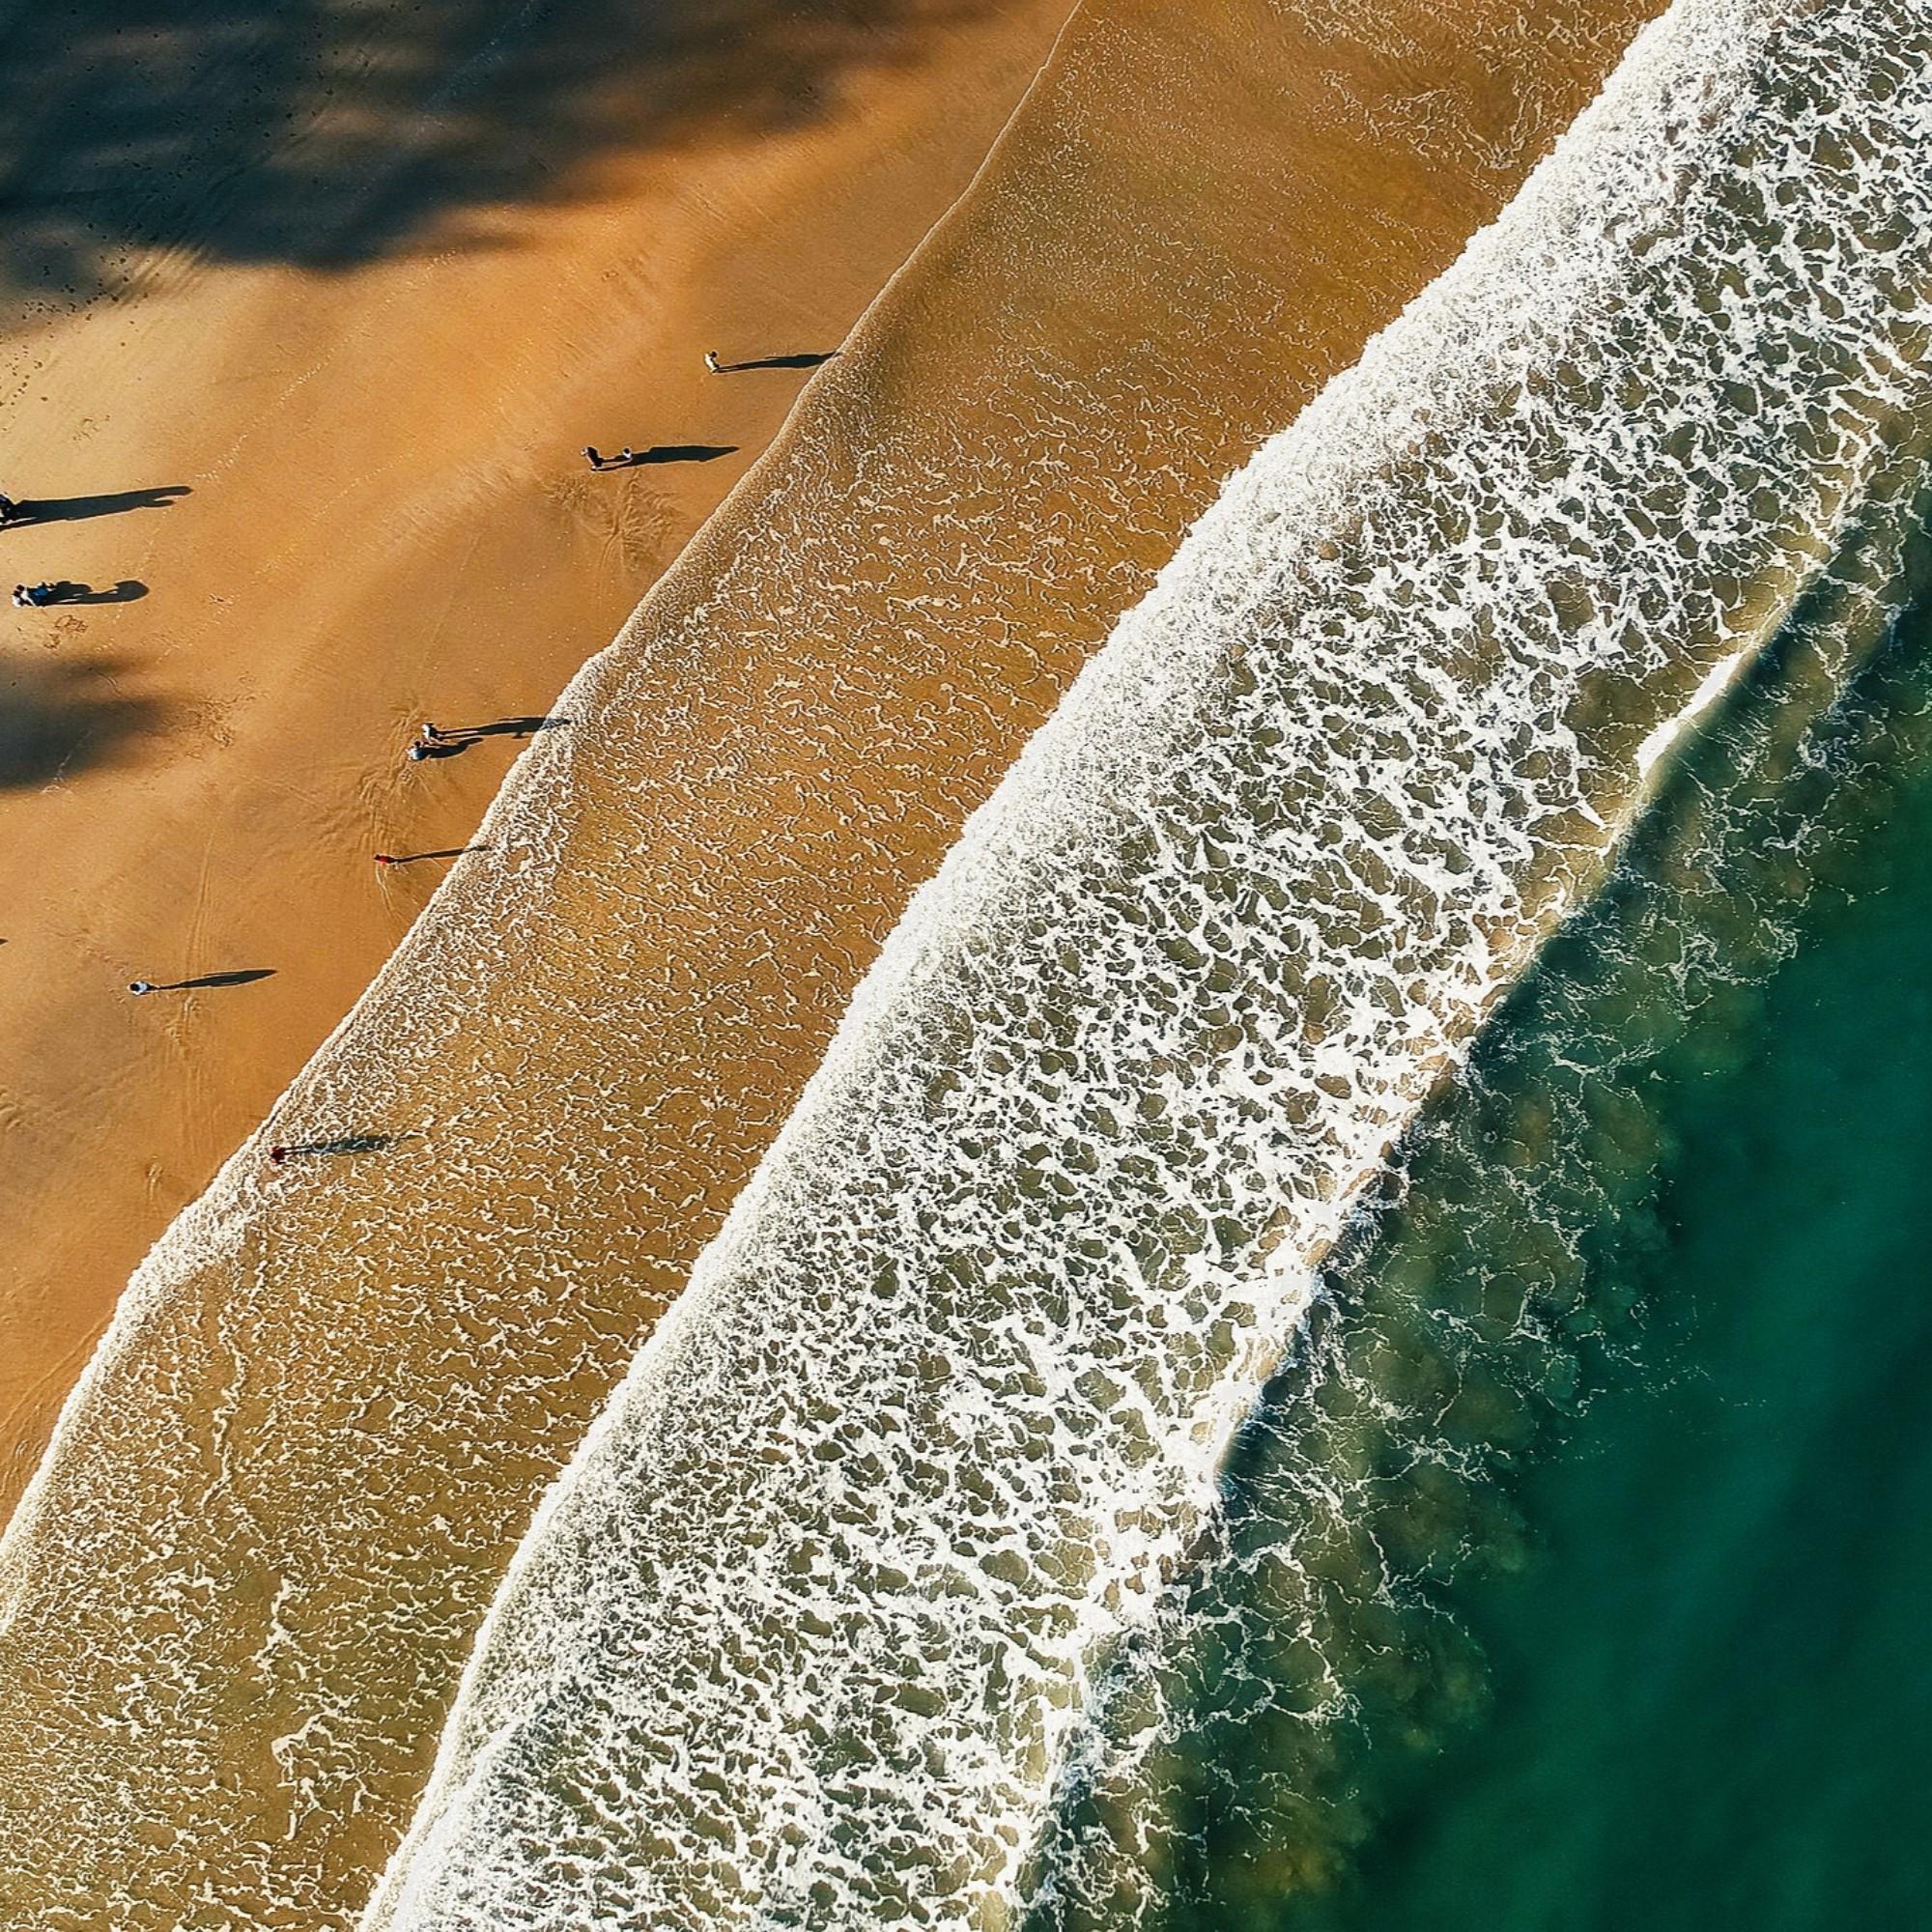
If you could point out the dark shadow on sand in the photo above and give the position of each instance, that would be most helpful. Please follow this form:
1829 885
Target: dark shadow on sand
130 590
329 132
447 852
674 452
807 361
514 727
458 739
60 716
245 976
109 504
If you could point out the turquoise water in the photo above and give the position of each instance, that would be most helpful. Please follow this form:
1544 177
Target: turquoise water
1709 1700
1617 1605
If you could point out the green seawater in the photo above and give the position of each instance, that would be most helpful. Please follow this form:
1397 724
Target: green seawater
1575 1567
1708 1699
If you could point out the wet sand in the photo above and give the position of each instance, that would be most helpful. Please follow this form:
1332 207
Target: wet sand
324 425
288 1485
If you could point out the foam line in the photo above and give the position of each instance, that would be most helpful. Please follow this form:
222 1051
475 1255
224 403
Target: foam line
802 1635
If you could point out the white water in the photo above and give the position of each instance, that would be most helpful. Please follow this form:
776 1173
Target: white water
803 1637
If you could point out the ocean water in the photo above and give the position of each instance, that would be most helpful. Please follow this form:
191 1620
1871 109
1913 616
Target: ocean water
1662 1622
1609 1592
899 1584
1706 1691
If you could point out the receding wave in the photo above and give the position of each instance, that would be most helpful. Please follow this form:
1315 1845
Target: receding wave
810 1631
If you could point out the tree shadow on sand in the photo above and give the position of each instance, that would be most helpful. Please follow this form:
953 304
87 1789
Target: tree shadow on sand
58 718
329 133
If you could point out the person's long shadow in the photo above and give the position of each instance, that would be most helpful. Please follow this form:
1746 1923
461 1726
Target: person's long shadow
674 452
446 852
245 976
109 504
130 590
458 739
342 1143
810 360
516 728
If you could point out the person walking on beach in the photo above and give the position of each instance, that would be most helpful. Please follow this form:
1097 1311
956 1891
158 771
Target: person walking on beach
139 986
30 597
10 511
712 362
592 457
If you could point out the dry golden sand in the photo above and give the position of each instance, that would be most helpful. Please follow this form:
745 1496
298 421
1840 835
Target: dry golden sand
386 517
255 1562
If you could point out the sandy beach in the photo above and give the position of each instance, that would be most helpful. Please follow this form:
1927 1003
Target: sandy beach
319 426
323 1423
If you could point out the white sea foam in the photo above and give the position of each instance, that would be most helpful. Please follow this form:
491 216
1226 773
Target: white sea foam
804 1634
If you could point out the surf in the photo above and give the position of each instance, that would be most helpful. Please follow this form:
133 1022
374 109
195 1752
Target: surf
808 1630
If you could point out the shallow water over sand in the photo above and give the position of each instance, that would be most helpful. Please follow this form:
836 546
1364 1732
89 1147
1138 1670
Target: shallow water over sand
841 1607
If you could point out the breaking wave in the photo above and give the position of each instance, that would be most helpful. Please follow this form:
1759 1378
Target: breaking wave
815 1627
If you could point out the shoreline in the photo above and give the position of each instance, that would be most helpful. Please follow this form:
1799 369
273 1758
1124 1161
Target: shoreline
226 746
797 725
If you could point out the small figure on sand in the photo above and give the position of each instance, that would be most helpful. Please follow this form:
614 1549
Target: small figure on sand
418 751
432 735
383 858
139 986
10 511
278 1155
593 456
31 596
627 454
712 362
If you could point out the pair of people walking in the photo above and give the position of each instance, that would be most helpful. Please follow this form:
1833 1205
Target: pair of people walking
431 739
627 456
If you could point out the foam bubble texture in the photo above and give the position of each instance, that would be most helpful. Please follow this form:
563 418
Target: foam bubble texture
803 1637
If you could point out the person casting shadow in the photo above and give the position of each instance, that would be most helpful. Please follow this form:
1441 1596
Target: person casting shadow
37 596
437 741
343 1143
813 359
74 509
628 458
244 977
